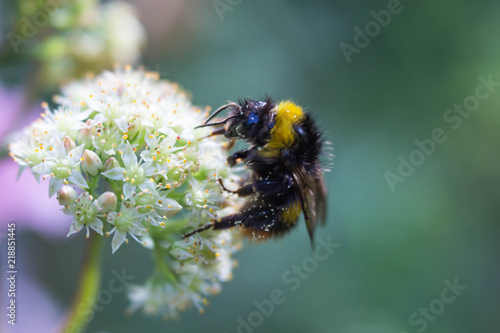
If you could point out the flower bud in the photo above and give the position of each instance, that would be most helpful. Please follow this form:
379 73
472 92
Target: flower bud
69 144
107 202
111 163
91 163
66 195
85 135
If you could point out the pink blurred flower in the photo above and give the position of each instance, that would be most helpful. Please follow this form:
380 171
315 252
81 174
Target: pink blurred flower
24 201
10 106
27 202
36 311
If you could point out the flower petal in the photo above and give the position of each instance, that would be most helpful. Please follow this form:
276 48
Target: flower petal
73 228
77 179
148 186
54 185
43 168
110 152
146 156
115 173
170 207
138 229
97 225
122 123
128 156
163 170
181 254
118 239
149 170
150 139
37 176
75 154
128 190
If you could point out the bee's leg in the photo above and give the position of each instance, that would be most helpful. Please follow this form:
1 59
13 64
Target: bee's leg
242 154
230 144
205 227
242 191
228 221
223 223
254 218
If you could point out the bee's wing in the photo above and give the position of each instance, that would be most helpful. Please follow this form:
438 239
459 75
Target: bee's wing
320 196
311 191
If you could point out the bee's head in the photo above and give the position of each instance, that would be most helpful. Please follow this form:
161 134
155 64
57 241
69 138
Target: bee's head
247 119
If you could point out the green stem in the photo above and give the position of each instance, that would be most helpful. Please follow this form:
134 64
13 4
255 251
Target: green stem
82 310
118 190
93 182
161 264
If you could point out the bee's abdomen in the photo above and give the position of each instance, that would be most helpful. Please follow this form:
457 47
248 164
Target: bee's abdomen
273 210
290 214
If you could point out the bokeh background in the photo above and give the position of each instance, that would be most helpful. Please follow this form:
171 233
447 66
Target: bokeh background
397 247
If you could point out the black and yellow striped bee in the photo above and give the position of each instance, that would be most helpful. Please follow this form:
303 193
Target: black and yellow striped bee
283 156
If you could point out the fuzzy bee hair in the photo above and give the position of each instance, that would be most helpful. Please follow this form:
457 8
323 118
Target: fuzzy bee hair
283 156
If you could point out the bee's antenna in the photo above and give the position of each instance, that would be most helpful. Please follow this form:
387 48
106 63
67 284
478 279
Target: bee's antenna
219 110
217 123
218 131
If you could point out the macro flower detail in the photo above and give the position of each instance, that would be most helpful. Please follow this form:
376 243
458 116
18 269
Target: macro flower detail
198 266
155 207
66 195
134 173
122 154
106 202
91 163
203 198
85 212
127 221
62 166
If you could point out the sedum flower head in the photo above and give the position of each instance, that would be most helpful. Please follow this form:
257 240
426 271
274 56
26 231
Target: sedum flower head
125 141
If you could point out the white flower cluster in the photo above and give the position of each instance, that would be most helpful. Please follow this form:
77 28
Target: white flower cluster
201 265
125 141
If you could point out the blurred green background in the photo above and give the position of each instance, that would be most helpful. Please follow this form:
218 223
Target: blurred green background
396 247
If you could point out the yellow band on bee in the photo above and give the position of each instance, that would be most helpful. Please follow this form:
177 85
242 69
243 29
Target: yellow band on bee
283 134
291 213
289 112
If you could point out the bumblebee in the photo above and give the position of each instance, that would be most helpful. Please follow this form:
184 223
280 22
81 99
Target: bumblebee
283 156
